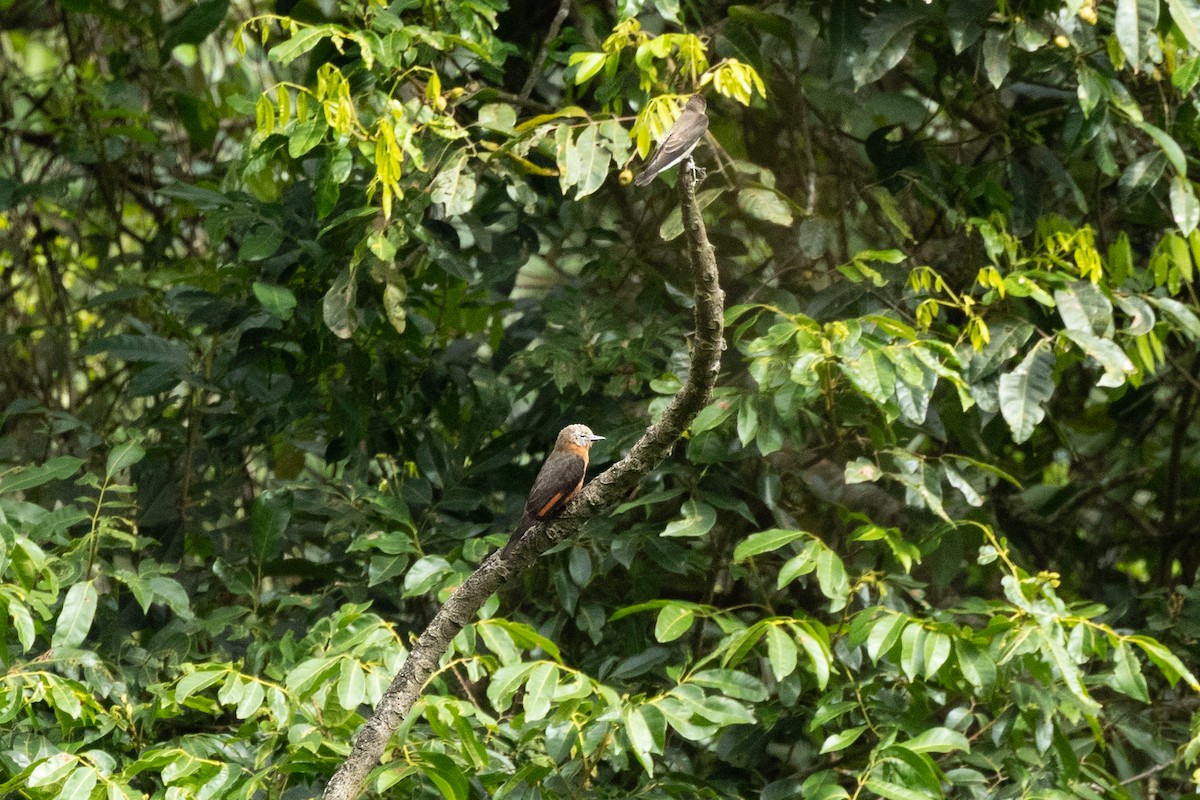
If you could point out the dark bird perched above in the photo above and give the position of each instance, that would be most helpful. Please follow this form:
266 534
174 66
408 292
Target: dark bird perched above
559 480
679 142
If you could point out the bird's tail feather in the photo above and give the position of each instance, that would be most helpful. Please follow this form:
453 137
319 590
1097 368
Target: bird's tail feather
525 524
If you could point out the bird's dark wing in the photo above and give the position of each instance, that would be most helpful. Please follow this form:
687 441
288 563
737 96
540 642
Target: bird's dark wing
557 481
678 144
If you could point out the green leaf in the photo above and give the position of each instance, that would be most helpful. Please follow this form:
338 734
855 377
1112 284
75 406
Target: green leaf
732 683
821 786
975 663
394 295
1141 315
872 374
887 204
1083 307
640 737
842 739
887 39
500 117
269 518
937 651
937 740
1026 390
147 349
1180 257
527 637
801 564
832 578
673 621
580 566
816 646
591 161
725 711
199 196
885 632
52 770
912 650
1185 208
1142 175
1170 147
1007 340
1129 32
1184 317
765 204
469 741
262 242
328 190
1127 675
713 415
338 307
917 769
747 422
913 396
1117 366
1186 14
445 775
455 186
425 574
251 700
1187 75
697 519
75 619
279 301
996 46
197 681
860 470
505 682
305 136
80 784
540 689
587 65
1167 662
765 542
194 25
304 40
22 478
231 690
894 791
351 685
777 25
781 652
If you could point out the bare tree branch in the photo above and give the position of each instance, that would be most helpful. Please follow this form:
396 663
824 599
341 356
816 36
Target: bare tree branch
605 490
535 70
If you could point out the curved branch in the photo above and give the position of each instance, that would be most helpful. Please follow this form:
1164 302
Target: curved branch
604 490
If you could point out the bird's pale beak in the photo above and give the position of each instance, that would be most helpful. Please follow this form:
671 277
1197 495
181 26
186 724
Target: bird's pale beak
594 437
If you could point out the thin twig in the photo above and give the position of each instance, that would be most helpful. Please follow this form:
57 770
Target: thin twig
1157 768
564 8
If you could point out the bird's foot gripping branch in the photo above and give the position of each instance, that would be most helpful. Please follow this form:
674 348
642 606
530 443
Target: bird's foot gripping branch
605 490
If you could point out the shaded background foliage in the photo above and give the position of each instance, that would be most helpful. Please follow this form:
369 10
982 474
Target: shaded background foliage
294 302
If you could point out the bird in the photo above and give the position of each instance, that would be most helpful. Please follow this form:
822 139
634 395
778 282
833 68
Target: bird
679 142
558 481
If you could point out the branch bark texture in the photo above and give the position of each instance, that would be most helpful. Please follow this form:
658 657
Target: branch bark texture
603 491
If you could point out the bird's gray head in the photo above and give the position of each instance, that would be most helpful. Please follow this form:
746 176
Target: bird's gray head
577 435
696 103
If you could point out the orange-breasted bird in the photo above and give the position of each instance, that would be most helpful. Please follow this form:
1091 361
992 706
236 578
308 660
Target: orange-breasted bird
558 481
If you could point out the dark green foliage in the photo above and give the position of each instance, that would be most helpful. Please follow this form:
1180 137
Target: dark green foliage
293 305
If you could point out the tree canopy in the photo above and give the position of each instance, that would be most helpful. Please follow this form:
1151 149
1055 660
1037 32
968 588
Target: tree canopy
296 297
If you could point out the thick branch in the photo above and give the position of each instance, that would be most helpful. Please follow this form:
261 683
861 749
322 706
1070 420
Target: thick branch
605 490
